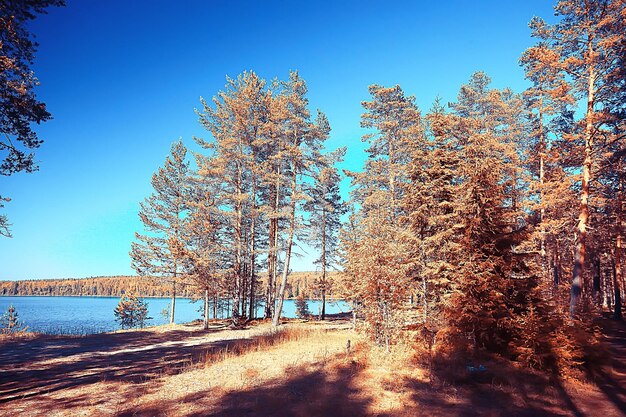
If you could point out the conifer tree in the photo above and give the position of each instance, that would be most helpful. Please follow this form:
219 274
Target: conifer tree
274 168
19 106
302 152
160 250
394 122
204 252
485 125
302 307
325 208
465 207
379 260
236 124
131 311
586 45
10 323
548 100
432 216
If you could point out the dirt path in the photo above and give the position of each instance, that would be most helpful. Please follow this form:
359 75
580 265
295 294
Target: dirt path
611 379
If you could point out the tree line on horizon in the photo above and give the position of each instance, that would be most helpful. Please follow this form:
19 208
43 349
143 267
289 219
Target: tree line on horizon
300 284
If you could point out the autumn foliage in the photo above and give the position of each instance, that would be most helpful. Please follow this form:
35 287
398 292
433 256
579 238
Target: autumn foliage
467 221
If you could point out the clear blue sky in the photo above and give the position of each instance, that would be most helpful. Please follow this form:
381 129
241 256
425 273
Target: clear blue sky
122 79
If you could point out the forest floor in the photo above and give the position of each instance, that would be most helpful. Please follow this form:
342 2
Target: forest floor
305 369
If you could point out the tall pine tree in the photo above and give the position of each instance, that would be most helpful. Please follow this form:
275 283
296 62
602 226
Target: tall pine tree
325 208
159 251
586 46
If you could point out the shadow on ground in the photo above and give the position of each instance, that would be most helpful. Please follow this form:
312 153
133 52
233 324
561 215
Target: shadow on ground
506 390
321 391
611 379
523 394
333 391
331 388
47 364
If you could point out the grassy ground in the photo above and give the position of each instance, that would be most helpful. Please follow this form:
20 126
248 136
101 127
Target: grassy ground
305 369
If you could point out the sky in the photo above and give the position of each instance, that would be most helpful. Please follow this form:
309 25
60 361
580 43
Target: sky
122 79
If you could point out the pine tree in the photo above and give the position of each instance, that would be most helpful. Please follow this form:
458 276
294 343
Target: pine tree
548 99
493 281
395 125
379 260
10 324
325 208
237 124
19 106
160 251
432 216
586 45
204 250
465 206
302 307
302 153
607 235
131 312
273 165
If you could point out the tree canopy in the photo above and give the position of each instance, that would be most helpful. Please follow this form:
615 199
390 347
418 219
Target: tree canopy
19 106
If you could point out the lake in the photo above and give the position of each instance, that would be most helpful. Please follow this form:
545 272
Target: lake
84 315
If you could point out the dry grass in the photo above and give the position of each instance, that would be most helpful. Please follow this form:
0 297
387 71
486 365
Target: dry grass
21 335
100 380
240 366
260 343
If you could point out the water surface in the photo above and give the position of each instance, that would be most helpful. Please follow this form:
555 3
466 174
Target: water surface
84 315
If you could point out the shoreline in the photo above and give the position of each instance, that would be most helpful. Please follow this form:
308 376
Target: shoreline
153 296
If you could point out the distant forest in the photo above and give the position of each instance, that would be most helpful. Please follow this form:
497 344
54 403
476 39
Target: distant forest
300 284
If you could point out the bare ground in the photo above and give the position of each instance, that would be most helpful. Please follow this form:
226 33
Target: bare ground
305 370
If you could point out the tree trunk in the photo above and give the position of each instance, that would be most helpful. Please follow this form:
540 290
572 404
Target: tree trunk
252 301
617 277
542 212
424 298
323 315
608 289
557 263
271 276
206 309
273 251
173 307
392 173
252 313
238 251
245 268
597 298
237 267
292 227
583 218
243 294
